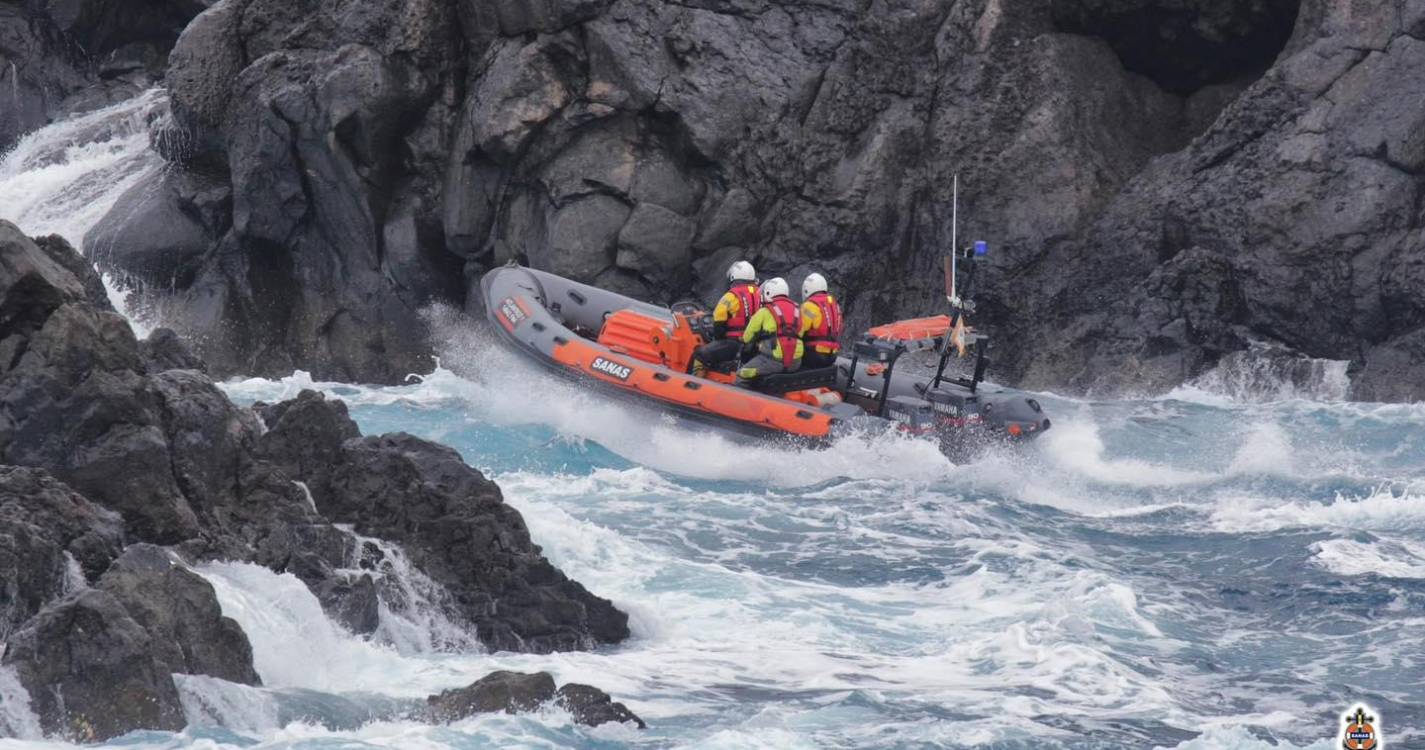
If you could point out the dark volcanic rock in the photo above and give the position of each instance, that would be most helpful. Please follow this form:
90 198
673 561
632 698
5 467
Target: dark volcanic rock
164 350
1185 44
1163 181
591 706
151 235
93 672
452 522
507 692
514 692
45 525
140 430
73 396
181 614
60 56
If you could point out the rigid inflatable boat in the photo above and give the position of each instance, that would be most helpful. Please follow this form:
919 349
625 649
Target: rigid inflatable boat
644 352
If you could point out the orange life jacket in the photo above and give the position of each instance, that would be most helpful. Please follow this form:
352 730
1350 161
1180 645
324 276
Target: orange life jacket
827 333
789 328
749 301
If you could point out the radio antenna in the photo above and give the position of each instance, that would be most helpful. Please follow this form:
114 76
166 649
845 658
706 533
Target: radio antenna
954 235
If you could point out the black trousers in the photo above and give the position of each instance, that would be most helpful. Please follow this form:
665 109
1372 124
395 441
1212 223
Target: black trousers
718 354
814 359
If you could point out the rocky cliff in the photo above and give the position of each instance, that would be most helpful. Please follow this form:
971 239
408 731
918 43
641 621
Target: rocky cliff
58 57
1164 181
118 471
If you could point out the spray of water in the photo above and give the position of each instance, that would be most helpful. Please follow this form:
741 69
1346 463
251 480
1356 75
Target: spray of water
413 608
1265 373
16 717
63 178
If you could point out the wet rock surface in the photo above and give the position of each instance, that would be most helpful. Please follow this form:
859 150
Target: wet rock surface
592 706
106 666
62 56
52 540
180 611
1164 181
121 464
451 521
515 692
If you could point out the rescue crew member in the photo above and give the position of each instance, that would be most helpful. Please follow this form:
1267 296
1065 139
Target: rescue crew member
775 334
821 323
730 317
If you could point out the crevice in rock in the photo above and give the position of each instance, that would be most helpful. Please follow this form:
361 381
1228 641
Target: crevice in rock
1184 46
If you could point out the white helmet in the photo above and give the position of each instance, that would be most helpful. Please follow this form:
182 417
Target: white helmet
774 288
741 271
813 284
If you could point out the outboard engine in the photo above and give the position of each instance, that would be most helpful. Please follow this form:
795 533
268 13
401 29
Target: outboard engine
953 407
1014 417
913 415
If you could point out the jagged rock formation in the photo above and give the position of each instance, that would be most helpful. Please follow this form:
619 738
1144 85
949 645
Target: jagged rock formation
62 56
1165 181
425 498
98 663
99 449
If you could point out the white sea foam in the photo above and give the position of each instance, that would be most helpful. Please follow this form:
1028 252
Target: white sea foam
1384 509
412 608
521 396
1266 373
209 701
17 719
1238 738
293 642
63 178
1391 558
1074 445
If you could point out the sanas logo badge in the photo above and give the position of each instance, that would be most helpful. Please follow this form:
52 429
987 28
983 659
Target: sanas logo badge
611 368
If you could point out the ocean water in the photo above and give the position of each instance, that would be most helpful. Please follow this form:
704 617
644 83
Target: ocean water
1234 565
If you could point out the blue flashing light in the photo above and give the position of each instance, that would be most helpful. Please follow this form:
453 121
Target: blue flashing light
982 248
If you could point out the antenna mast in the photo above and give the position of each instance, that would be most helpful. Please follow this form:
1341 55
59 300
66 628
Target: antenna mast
954 235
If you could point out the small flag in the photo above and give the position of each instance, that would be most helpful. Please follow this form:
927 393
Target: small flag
957 336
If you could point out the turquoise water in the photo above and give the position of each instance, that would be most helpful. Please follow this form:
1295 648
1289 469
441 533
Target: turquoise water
1180 572
1187 571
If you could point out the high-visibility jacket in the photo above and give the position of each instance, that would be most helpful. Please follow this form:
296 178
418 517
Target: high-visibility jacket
821 323
736 308
777 331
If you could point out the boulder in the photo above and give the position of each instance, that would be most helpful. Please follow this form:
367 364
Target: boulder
52 541
591 706
73 396
517 692
454 525
305 436
208 439
506 692
92 672
181 614
148 237
206 60
451 521
163 350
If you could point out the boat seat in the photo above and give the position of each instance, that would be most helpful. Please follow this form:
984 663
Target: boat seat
801 380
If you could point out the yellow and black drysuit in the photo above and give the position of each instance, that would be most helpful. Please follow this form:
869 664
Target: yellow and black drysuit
776 332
